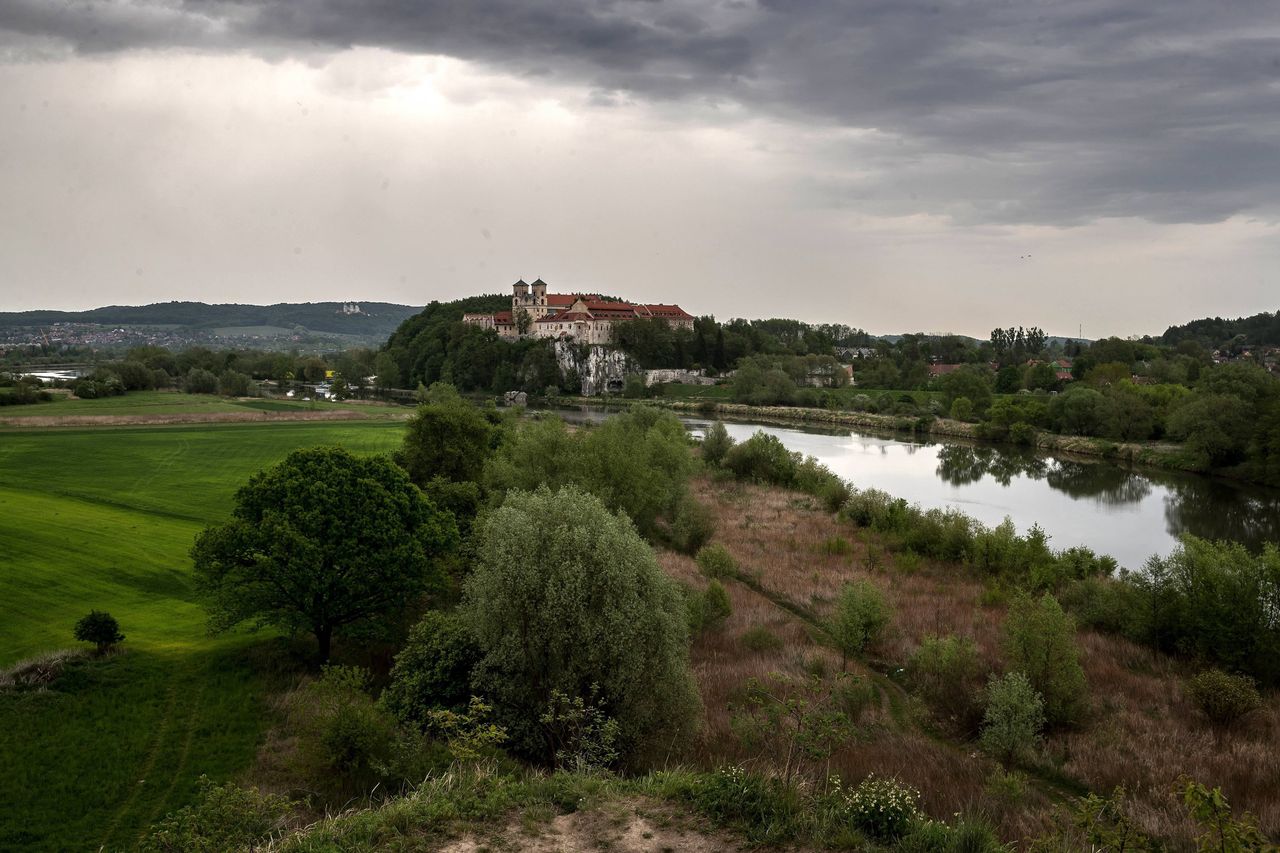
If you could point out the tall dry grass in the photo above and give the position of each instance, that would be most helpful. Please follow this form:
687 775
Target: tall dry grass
1142 731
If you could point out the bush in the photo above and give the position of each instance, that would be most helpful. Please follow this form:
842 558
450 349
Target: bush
760 639
101 629
693 526
882 808
1215 601
860 617
1040 643
232 383
199 381
947 674
962 409
762 808
716 444
1223 698
344 739
566 596
1014 719
223 817
715 561
1023 434
762 459
709 608
433 670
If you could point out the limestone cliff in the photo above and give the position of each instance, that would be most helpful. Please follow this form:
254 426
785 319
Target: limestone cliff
599 368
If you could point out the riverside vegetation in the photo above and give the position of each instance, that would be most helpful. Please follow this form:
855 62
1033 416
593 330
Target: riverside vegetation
606 618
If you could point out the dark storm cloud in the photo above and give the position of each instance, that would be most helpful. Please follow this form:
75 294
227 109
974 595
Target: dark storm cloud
1045 111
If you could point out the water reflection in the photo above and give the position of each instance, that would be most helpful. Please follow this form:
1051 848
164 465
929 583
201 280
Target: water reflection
1104 482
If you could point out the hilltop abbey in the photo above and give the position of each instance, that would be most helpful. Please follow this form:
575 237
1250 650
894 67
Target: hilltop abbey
580 317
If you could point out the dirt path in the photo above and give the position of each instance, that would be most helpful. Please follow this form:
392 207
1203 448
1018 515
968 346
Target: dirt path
192 418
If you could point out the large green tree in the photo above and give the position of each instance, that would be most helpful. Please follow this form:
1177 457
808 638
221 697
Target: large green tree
321 542
567 597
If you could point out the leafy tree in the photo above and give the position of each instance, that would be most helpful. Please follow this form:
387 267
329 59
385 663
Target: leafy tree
967 381
433 670
763 458
639 463
716 444
1014 719
566 596
709 608
1040 642
1217 426
200 381
101 629
233 383
386 371
323 541
947 673
860 617
449 438
961 409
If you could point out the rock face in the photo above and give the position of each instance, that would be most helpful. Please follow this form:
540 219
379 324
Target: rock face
516 398
600 368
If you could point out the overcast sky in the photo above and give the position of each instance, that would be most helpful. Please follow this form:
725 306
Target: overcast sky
899 165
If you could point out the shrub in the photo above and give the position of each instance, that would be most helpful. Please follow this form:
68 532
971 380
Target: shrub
583 736
716 444
101 629
760 639
762 459
223 817
961 409
860 618
926 836
762 808
882 808
1040 642
1223 698
1014 719
837 545
1024 434
947 674
433 670
1221 832
1216 601
693 526
715 561
565 595
344 739
709 608
200 381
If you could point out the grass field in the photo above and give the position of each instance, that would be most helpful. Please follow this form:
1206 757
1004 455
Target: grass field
141 403
104 518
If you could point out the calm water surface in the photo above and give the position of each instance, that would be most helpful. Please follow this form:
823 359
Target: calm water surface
1111 508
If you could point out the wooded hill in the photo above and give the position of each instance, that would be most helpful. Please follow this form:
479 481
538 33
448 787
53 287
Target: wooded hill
375 318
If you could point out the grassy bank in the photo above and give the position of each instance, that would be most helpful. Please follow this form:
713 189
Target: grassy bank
104 518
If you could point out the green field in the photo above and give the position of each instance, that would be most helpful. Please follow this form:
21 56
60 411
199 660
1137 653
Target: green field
103 518
142 403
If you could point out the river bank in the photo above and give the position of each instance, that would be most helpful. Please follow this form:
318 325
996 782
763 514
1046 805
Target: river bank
1165 456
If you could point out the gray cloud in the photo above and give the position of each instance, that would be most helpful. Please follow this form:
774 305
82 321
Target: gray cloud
1037 111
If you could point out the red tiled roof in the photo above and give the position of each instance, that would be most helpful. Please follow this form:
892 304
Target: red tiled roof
561 300
660 310
502 317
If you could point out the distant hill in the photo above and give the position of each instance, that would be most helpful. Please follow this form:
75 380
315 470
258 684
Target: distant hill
1215 332
374 319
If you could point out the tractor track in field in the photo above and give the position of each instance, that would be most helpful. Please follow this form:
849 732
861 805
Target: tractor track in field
148 766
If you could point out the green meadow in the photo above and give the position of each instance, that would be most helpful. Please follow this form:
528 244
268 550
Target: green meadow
140 403
103 518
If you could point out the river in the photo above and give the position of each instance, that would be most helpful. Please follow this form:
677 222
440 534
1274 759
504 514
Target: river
1128 513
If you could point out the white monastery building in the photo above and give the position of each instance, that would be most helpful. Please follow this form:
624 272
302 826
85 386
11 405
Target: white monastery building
580 317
